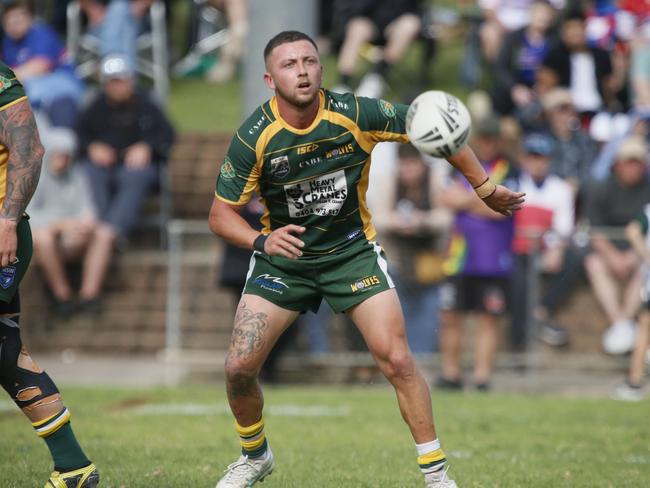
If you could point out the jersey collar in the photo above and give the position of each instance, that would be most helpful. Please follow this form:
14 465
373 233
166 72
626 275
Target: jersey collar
317 119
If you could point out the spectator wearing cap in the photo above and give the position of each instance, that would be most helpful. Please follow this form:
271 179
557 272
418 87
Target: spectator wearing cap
543 226
585 71
64 223
612 267
123 137
574 151
37 56
478 264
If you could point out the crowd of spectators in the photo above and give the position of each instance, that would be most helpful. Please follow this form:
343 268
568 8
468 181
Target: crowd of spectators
105 138
564 91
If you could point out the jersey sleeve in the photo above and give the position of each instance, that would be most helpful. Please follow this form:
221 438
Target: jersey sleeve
382 121
239 174
10 88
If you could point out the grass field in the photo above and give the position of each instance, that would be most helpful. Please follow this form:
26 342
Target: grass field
341 437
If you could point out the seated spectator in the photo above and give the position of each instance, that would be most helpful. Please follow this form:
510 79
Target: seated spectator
65 226
116 23
33 50
390 23
520 56
585 71
412 226
479 265
544 225
612 267
573 151
500 18
123 138
639 237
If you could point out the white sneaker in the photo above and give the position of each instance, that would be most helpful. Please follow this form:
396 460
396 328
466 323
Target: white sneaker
619 338
439 479
627 393
371 86
245 472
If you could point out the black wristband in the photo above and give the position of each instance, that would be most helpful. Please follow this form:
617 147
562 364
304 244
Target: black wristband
258 243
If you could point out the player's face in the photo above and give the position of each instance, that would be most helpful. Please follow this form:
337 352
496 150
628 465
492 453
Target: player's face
294 72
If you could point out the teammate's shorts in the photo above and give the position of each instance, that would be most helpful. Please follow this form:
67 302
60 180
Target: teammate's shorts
11 275
474 293
343 278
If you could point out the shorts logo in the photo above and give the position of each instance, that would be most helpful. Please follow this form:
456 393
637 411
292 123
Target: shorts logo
227 170
323 195
280 166
307 149
7 276
387 108
365 283
271 283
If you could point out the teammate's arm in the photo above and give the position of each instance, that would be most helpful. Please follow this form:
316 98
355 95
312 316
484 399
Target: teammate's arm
226 222
18 133
497 197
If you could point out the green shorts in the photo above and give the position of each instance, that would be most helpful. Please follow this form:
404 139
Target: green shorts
343 279
10 276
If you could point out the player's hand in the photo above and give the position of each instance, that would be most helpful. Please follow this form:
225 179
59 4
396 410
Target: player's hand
8 242
505 201
282 242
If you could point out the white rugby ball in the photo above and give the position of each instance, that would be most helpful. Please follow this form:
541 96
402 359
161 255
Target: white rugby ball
438 123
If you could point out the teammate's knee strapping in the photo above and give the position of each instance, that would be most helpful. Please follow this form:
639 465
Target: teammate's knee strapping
28 385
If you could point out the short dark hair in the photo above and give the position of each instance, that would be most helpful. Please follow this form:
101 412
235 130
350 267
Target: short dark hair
283 38
9 5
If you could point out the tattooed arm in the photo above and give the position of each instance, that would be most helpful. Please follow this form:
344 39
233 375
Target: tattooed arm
18 133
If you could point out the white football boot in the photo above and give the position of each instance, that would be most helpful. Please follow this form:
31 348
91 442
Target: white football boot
245 472
439 479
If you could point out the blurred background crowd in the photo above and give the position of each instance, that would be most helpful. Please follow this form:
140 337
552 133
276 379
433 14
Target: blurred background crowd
559 92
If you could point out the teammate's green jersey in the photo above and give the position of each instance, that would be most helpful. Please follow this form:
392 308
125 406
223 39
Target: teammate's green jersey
11 92
315 177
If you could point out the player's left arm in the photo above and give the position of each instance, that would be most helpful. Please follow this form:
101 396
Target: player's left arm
18 133
497 197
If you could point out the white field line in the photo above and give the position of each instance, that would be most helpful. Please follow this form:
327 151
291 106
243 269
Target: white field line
287 410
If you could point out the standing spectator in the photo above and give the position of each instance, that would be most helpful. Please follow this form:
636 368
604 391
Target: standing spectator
544 224
638 235
37 56
612 267
65 226
479 264
640 68
124 137
585 71
411 224
520 56
116 23
393 24
237 14
574 151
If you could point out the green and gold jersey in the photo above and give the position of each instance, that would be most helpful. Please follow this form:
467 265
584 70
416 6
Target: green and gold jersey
315 177
11 92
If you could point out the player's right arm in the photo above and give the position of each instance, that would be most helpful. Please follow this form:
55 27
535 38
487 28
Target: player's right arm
237 181
18 133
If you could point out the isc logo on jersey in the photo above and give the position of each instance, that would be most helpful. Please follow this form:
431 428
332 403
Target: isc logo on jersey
307 149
